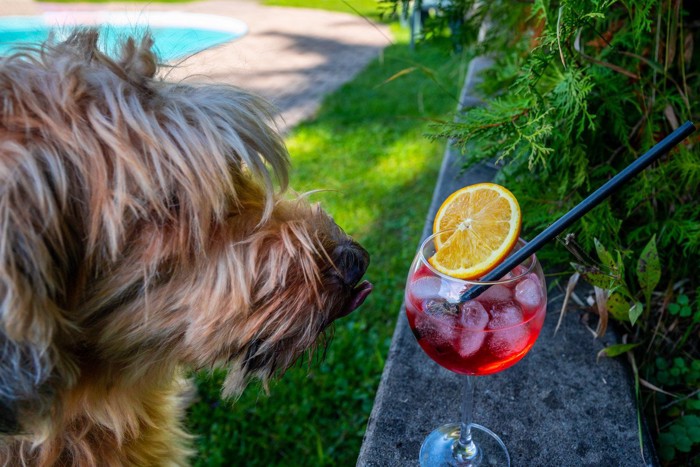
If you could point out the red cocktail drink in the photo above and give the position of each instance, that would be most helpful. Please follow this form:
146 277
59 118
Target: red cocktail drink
475 337
481 336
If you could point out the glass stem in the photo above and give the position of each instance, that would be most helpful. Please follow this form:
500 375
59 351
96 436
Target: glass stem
464 450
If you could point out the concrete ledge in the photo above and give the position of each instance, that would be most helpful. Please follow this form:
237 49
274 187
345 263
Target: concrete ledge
556 407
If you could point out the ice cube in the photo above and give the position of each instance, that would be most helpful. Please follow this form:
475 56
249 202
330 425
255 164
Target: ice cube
528 293
473 315
508 341
451 290
515 272
496 293
510 335
426 288
470 342
437 323
505 314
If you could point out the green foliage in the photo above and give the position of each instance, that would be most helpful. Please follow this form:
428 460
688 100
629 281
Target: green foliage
679 437
578 91
677 371
682 436
682 308
673 368
366 150
576 98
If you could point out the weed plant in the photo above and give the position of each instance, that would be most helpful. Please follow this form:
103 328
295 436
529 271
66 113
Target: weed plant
579 90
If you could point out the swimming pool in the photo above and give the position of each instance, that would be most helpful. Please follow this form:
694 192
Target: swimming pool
176 34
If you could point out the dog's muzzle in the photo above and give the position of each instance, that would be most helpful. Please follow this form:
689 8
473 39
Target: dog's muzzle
352 261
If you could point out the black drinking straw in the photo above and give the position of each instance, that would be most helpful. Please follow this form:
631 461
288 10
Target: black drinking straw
661 148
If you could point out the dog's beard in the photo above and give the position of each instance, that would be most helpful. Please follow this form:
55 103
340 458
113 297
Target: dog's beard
326 286
253 301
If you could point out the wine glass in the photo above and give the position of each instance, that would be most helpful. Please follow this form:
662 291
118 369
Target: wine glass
473 338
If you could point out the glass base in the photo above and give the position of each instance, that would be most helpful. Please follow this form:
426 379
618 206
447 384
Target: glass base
436 450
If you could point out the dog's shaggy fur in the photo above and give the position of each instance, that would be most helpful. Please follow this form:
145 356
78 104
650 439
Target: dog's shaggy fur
141 234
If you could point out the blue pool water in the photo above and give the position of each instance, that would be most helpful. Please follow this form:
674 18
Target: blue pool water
171 42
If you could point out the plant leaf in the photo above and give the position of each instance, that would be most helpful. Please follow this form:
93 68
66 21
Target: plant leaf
635 312
617 349
694 434
400 73
601 299
618 306
667 451
649 268
620 264
573 280
593 276
604 256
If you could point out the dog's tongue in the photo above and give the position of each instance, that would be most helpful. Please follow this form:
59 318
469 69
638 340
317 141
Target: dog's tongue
359 294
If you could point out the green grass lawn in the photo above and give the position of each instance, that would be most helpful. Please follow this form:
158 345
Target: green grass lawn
367 147
368 8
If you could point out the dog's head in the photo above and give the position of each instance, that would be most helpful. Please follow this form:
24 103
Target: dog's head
144 225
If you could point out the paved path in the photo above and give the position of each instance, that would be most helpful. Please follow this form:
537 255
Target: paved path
291 56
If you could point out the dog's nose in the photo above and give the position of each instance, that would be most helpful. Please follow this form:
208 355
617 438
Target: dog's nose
352 261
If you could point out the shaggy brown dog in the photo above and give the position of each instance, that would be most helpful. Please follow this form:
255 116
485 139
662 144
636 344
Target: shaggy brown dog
141 234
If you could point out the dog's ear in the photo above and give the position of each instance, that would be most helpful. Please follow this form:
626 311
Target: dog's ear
34 329
138 61
27 354
35 254
24 392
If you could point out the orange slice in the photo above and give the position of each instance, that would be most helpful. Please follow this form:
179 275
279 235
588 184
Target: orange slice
485 219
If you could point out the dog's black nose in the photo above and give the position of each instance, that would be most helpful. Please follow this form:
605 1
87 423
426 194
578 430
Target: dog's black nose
352 261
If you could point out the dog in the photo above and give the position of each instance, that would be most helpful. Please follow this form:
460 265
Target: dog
146 230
